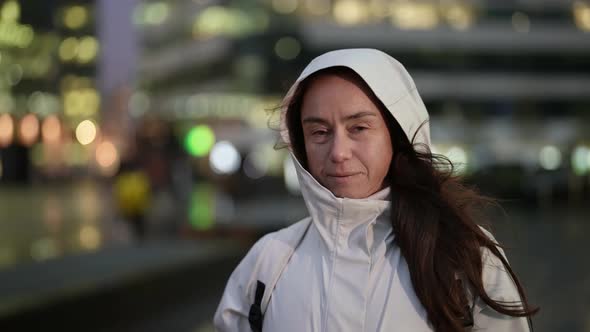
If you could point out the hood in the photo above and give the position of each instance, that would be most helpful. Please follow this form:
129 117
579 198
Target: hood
386 77
394 87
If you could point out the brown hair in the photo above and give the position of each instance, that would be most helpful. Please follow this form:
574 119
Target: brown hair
435 220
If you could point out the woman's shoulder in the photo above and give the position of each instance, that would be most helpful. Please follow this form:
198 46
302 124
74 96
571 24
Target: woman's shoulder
275 245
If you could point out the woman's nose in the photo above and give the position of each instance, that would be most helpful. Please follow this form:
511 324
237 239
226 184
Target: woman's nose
341 149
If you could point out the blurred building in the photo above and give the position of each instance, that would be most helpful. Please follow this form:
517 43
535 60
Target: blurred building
507 83
49 109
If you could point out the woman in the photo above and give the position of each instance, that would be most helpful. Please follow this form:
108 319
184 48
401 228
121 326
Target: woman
392 243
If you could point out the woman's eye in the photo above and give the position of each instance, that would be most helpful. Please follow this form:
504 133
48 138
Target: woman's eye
359 128
319 133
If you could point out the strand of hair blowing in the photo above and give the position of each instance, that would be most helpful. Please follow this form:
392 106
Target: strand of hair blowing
436 230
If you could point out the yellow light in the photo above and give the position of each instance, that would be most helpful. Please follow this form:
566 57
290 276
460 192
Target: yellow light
87 49
90 237
287 48
10 11
29 129
13 33
91 101
211 22
75 17
417 16
73 103
82 102
86 132
459 16
68 49
51 129
582 15
6 129
350 12
73 82
285 6
106 154
156 13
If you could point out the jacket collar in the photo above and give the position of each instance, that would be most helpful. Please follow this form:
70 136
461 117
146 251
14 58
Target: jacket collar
331 214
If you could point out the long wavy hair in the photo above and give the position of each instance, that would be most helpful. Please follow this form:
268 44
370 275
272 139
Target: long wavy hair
435 220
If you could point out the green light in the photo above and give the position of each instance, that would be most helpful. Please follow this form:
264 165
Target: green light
199 140
201 209
581 160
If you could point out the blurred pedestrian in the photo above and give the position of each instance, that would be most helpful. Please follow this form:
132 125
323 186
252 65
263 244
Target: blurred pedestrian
393 242
132 195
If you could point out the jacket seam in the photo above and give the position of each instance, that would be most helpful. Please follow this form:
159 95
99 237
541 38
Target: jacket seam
331 280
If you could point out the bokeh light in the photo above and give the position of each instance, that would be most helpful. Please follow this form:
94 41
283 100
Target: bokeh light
287 48
351 12
458 157
156 13
459 16
86 132
6 129
201 209
29 129
10 11
199 140
581 160
75 17
224 158
87 49
107 157
414 15
68 49
550 157
89 237
51 129
581 11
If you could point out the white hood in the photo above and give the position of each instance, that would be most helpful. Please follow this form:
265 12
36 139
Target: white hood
392 84
386 77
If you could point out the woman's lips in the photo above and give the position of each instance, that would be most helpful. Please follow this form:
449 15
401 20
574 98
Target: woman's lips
341 177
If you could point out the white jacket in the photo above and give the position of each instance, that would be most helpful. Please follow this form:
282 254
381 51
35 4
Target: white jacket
347 274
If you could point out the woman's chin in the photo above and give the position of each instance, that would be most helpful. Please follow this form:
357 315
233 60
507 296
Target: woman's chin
349 192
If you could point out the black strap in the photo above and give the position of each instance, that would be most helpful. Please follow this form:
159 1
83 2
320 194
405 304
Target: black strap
255 316
467 320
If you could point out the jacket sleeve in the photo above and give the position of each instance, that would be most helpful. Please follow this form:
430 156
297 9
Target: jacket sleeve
232 313
500 287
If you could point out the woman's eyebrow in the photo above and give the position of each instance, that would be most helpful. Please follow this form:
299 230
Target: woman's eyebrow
359 115
313 119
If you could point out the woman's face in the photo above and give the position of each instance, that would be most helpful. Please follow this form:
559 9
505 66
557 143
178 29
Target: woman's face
346 139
